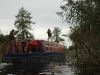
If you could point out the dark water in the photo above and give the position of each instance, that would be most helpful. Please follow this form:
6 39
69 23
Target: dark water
43 68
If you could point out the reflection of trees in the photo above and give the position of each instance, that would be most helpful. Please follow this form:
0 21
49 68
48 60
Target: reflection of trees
24 69
84 15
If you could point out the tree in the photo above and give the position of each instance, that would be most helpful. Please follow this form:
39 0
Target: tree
4 38
56 35
23 24
84 15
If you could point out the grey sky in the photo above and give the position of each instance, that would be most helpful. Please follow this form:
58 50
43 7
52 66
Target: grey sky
42 11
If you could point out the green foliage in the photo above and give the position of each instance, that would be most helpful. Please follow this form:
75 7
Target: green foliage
56 35
4 38
23 24
84 15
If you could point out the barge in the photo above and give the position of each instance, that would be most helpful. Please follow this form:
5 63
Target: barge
32 51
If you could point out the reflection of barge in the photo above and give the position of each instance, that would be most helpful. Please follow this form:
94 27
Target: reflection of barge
32 51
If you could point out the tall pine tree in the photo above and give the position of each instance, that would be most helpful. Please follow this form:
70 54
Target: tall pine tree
23 24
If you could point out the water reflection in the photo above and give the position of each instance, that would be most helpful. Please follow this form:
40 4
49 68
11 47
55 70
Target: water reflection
44 68
23 69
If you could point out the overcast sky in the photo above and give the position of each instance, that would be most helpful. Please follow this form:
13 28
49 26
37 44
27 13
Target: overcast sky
43 12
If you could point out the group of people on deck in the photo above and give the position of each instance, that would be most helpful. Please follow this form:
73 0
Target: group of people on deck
11 35
12 38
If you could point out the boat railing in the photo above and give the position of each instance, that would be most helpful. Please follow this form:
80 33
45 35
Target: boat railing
16 47
5 47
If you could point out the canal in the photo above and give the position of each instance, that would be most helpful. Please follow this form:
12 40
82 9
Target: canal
49 68
43 68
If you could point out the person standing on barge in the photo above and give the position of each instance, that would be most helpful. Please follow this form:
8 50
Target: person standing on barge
11 40
49 35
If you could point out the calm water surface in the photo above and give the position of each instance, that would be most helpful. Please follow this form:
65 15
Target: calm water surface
44 68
